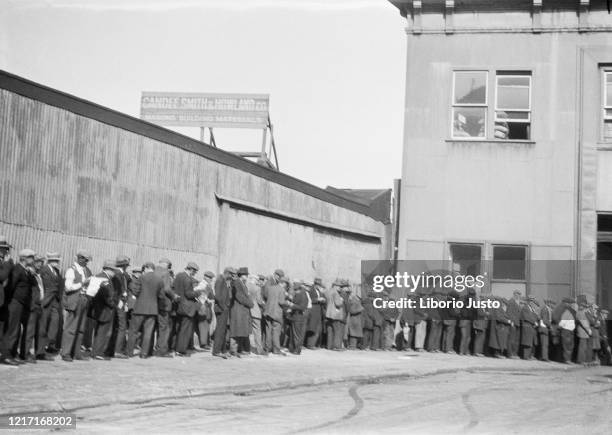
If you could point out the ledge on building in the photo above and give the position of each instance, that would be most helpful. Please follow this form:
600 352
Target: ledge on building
489 142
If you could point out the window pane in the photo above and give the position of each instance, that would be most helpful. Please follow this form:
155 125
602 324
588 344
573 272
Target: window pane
512 97
467 258
469 121
513 80
608 129
512 115
509 262
608 113
609 93
470 87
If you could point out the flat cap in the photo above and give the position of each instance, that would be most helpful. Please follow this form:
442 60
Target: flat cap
109 264
165 260
4 243
191 265
209 274
604 311
338 282
53 256
148 265
122 261
318 281
279 272
84 254
516 292
24 253
261 277
569 300
39 257
242 271
231 270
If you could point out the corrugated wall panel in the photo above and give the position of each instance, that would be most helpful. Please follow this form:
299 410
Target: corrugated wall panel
70 182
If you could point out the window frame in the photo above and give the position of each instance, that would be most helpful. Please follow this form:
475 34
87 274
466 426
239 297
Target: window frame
527 261
504 74
484 105
606 71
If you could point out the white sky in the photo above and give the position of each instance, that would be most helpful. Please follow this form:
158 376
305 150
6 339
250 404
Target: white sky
334 69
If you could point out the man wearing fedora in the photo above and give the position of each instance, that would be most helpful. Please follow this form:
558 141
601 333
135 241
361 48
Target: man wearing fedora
165 302
54 287
19 294
6 264
184 284
76 304
223 296
514 333
103 310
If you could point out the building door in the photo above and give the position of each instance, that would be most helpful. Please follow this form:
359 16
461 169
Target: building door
604 263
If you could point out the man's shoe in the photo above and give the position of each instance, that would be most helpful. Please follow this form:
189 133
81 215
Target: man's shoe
183 355
82 358
142 356
67 358
220 355
9 362
121 356
30 359
165 355
45 357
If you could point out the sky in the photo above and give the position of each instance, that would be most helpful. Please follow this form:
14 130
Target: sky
334 69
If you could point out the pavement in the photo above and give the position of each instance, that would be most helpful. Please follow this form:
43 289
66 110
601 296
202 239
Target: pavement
82 385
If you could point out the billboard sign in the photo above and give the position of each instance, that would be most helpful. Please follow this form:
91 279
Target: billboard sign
181 109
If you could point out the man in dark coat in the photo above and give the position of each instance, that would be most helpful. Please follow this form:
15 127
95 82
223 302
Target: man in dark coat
544 328
480 326
390 316
355 321
223 299
53 284
274 295
76 306
184 284
465 322
434 334
530 321
498 340
33 335
164 303
240 312
6 264
204 316
147 289
368 323
298 307
316 315
514 333
19 295
451 316
121 282
103 311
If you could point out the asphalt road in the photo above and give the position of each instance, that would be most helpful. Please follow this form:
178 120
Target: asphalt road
533 401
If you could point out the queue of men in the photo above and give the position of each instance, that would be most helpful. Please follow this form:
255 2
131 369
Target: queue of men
153 311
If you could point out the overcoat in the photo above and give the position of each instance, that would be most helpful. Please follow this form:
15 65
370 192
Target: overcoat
529 323
355 323
240 310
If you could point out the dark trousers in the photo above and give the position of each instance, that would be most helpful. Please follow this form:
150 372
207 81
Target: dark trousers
74 328
335 334
312 337
544 346
514 338
366 341
435 332
376 338
120 330
448 336
466 333
582 353
567 343
88 331
202 325
50 323
163 332
102 335
185 333
298 326
272 333
33 335
220 344
147 323
479 339
17 319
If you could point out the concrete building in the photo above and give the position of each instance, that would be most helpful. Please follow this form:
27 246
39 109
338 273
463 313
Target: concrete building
507 166
75 175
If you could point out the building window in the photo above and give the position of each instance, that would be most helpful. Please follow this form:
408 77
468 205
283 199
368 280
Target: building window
607 105
466 258
469 112
512 106
509 263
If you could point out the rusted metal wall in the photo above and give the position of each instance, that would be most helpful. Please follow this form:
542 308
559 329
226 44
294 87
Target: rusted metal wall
69 182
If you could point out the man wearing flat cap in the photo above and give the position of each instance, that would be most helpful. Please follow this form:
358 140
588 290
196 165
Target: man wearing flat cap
184 284
544 328
103 306
274 296
6 264
204 316
53 284
223 299
529 324
165 301
34 334
583 333
121 283
336 315
240 312
254 285
19 294
146 289
75 304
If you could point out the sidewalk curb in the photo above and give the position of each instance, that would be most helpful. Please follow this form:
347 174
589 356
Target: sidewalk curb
247 389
